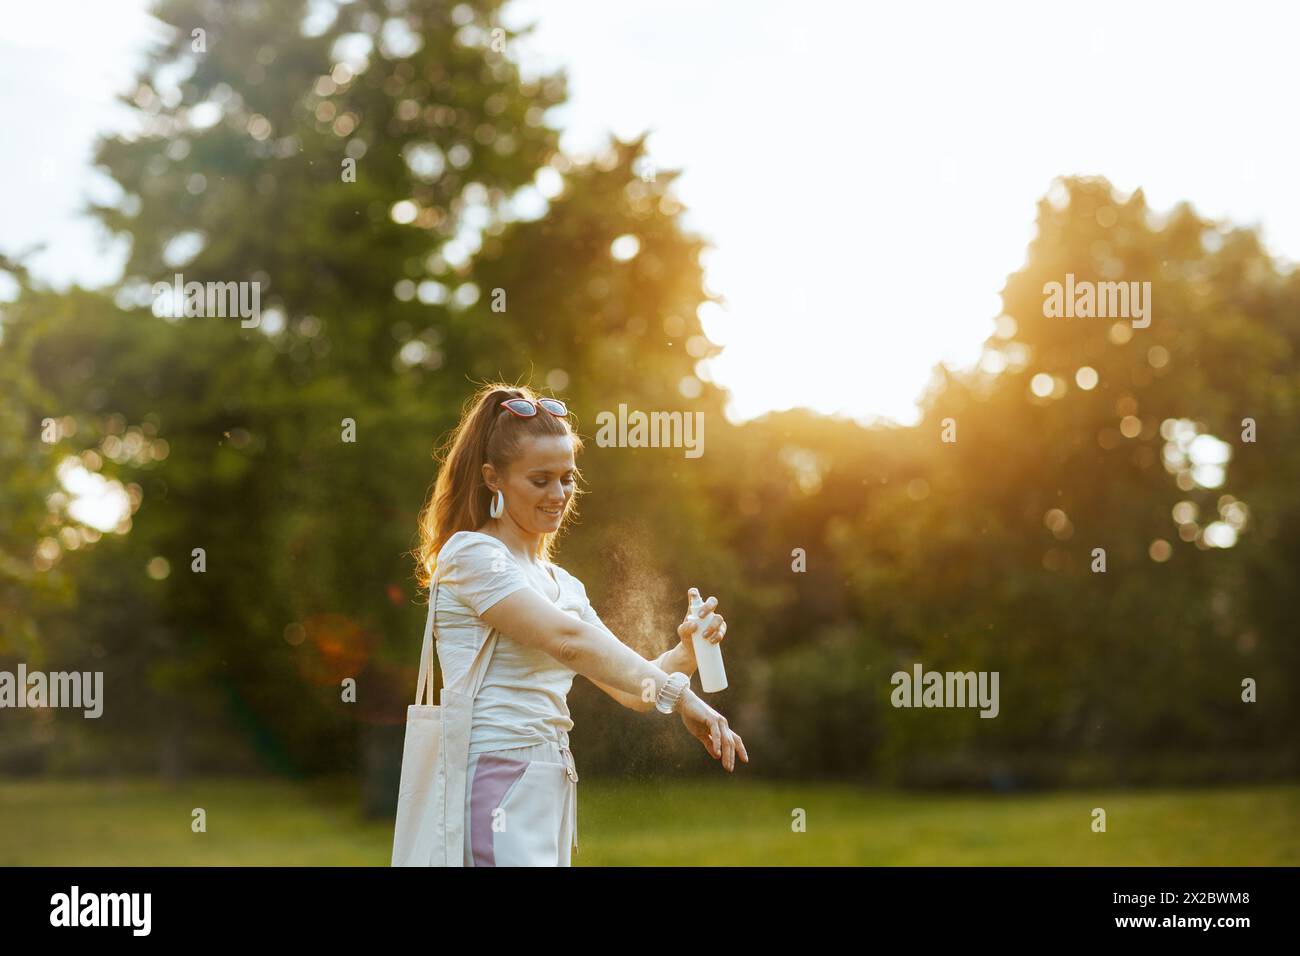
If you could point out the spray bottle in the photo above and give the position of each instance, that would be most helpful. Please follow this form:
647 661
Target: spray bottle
708 656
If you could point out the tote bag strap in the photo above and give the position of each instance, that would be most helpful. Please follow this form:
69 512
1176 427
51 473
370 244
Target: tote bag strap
424 686
477 670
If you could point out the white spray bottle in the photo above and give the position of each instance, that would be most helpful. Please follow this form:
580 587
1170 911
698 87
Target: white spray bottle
708 656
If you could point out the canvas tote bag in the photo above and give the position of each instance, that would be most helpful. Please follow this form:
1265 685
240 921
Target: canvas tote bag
430 827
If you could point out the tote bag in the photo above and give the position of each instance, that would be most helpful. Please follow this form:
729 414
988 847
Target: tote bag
430 826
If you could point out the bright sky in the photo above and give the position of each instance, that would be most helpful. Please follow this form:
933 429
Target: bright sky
866 173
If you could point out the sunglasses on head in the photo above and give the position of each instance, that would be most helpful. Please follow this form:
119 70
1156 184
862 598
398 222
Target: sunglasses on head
527 408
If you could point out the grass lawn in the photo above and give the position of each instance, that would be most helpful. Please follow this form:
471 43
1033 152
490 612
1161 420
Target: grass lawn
723 822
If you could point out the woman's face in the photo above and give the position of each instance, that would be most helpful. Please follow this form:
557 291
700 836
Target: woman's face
539 485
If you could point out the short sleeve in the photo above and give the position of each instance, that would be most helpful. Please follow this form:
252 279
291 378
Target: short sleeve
480 572
585 610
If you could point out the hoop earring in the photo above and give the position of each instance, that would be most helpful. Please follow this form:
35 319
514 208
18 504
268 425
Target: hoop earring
498 505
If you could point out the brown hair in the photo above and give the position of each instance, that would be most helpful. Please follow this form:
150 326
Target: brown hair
460 499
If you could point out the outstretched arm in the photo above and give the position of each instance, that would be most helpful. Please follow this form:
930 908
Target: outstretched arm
630 701
594 652
533 620
678 659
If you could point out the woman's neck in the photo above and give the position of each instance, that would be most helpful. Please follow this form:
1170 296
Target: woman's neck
522 544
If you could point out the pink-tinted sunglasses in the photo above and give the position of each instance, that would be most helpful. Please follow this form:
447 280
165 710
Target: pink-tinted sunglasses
527 408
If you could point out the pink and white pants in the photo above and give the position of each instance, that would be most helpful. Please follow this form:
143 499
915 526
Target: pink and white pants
521 806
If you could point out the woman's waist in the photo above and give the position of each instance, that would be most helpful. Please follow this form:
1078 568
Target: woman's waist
548 751
495 731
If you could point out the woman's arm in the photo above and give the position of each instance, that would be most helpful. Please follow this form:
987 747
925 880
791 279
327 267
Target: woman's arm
529 618
675 660
630 701
680 658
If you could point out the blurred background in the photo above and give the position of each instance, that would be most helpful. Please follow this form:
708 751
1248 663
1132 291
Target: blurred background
829 232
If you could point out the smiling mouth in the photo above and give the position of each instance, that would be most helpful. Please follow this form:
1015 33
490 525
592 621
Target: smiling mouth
554 513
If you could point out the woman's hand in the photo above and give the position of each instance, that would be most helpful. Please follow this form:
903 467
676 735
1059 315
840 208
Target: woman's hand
711 729
715 630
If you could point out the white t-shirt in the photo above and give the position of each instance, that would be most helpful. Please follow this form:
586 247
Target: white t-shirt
523 700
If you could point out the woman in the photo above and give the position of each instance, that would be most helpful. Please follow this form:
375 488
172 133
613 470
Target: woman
506 487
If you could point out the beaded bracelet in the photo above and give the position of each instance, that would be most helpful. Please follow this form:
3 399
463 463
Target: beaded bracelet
671 692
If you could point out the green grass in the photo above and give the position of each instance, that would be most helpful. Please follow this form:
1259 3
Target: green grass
725 822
